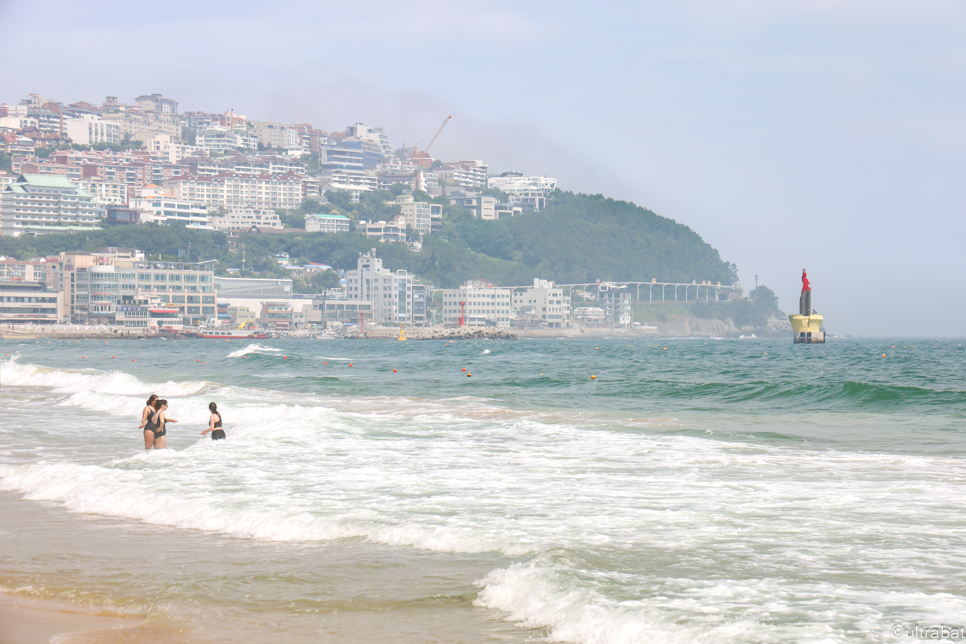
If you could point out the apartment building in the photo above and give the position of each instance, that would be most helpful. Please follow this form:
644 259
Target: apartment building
275 135
105 193
229 189
331 223
223 139
391 294
244 218
90 129
39 204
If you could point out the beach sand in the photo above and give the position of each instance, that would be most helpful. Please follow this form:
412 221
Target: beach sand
30 621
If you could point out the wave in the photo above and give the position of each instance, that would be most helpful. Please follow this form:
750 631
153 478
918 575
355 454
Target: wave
254 348
69 381
127 491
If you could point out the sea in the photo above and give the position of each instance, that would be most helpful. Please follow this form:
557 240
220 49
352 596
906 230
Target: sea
588 491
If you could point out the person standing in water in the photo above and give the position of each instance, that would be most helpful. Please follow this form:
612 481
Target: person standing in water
146 423
214 423
160 421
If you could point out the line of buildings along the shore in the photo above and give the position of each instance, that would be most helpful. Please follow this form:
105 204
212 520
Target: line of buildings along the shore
119 287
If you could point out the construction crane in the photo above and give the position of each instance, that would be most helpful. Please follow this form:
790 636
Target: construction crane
423 158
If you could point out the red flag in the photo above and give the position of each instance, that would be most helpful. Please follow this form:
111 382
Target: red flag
805 286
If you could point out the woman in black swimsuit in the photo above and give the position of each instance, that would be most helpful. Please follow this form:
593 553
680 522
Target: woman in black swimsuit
146 414
214 424
160 420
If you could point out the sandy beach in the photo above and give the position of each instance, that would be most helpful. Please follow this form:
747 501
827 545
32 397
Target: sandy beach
31 621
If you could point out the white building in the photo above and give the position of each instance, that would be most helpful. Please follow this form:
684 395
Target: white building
164 209
544 302
483 304
480 304
331 223
244 218
38 204
529 193
245 190
391 294
168 146
89 129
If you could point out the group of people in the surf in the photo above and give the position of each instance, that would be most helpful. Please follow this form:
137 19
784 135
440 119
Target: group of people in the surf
154 422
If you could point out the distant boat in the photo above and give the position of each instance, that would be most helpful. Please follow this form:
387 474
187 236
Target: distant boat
807 325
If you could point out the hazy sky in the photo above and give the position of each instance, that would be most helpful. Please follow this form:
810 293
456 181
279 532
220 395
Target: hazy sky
828 134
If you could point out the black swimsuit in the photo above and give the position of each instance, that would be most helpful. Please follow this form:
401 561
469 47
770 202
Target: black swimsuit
151 426
218 433
158 431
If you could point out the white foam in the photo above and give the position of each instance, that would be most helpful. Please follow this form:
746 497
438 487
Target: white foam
253 348
67 381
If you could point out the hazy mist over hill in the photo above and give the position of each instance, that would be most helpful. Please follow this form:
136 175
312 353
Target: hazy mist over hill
830 135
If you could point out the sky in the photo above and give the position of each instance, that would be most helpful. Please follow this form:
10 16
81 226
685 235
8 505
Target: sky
827 134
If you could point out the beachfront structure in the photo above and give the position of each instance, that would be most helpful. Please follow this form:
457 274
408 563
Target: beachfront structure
544 302
244 218
41 204
391 294
24 302
347 311
542 305
276 316
331 223
184 286
479 304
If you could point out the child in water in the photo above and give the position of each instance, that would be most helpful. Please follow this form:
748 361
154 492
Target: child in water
214 424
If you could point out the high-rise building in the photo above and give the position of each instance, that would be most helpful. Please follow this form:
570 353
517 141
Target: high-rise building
391 294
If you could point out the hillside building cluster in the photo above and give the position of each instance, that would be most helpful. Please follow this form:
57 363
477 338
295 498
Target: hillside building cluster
114 162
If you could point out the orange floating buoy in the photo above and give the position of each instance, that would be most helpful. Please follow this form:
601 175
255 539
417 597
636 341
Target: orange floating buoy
83 356
204 363
284 357
325 363
113 356
597 348
469 375
464 369
132 359
593 377
665 348
893 347
350 364
394 371
883 355
227 340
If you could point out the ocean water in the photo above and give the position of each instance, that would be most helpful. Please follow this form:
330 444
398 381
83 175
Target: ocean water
691 491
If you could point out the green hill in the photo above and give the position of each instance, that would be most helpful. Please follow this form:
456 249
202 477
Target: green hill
577 238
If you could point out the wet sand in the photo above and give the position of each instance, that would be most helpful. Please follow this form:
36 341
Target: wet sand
31 621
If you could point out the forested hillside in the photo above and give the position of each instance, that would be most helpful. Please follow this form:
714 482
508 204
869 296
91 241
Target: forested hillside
577 238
